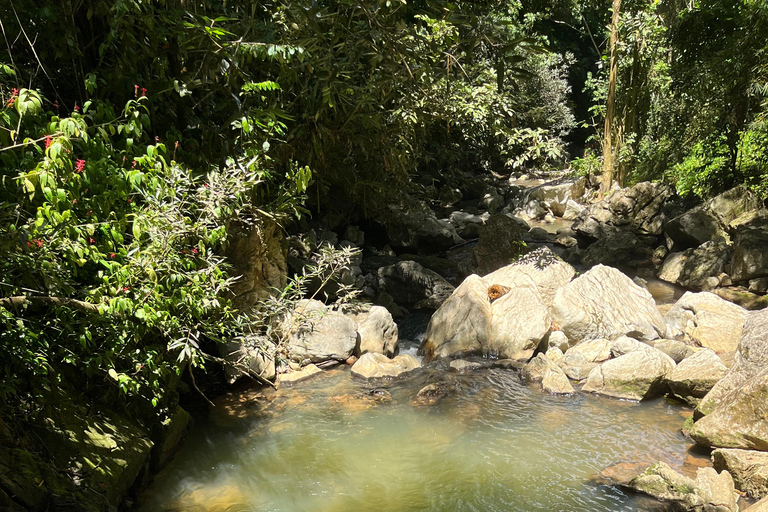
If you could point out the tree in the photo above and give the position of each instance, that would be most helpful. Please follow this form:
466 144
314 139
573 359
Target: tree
608 170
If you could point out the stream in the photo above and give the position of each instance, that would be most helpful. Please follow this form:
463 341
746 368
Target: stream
494 443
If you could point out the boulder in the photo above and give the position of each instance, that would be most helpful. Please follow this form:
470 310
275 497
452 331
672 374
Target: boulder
748 468
572 210
541 267
760 506
578 372
252 355
412 285
750 238
558 339
373 365
704 262
733 203
538 234
619 248
707 320
317 333
642 209
520 320
462 324
634 376
672 267
677 350
554 354
604 303
593 351
552 379
696 375
709 492
624 345
558 193
739 421
750 360
377 332
467 225
693 228
413 225
500 242
297 376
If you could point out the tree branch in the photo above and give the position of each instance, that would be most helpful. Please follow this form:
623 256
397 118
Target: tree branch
14 302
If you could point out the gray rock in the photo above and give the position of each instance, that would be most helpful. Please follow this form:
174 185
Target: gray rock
593 351
572 210
618 248
520 322
750 238
693 228
317 334
541 370
500 242
750 360
624 345
580 372
604 303
558 339
748 468
677 350
709 492
449 196
412 285
373 365
558 193
696 375
377 332
462 324
460 365
704 262
467 224
554 354
635 376
252 355
413 225
707 320
566 241
537 233
355 235
758 285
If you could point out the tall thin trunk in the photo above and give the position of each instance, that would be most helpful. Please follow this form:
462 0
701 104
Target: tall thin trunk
609 106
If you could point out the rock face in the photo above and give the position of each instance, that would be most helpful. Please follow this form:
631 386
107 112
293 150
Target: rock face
253 355
377 332
500 242
695 376
635 376
413 225
541 267
412 285
707 320
704 262
462 324
544 371
750 360
750 238
373 365
604 303
748 468
258 254
317 333
642 209
709 492
693 228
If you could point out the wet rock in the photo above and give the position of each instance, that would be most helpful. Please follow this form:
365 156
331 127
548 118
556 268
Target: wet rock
462 324
431 393
372 365
541 370
750 238
542 267
758 285
298 376
707 320
317 333
377 332
460 365
356 402
604 303
696 375
749 469
677 350
709 492
412 285
635 376
500 243
252 355
642 209
578 372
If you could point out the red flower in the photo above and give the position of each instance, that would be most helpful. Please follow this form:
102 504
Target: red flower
48 141
136 91
77 109
92 240
74 201
79 165
129 200
39 243
143 91
56 104
126 288
194 250
176 144
29 244
112 255
205 185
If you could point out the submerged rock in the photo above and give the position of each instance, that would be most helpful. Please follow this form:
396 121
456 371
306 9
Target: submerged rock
637 375
749 469
707 320
293 377
372 365
605 303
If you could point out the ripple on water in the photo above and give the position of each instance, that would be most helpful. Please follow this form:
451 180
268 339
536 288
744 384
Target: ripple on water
492 444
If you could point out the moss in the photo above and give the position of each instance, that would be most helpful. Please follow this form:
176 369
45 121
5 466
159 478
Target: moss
687 426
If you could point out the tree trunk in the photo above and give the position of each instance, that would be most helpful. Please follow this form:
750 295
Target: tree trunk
609 106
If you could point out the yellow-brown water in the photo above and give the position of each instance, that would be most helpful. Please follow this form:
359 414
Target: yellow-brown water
336 443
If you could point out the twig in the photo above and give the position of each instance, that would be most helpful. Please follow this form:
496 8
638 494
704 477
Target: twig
22 300
194 384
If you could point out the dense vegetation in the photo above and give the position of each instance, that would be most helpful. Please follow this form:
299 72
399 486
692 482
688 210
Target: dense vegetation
134 134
